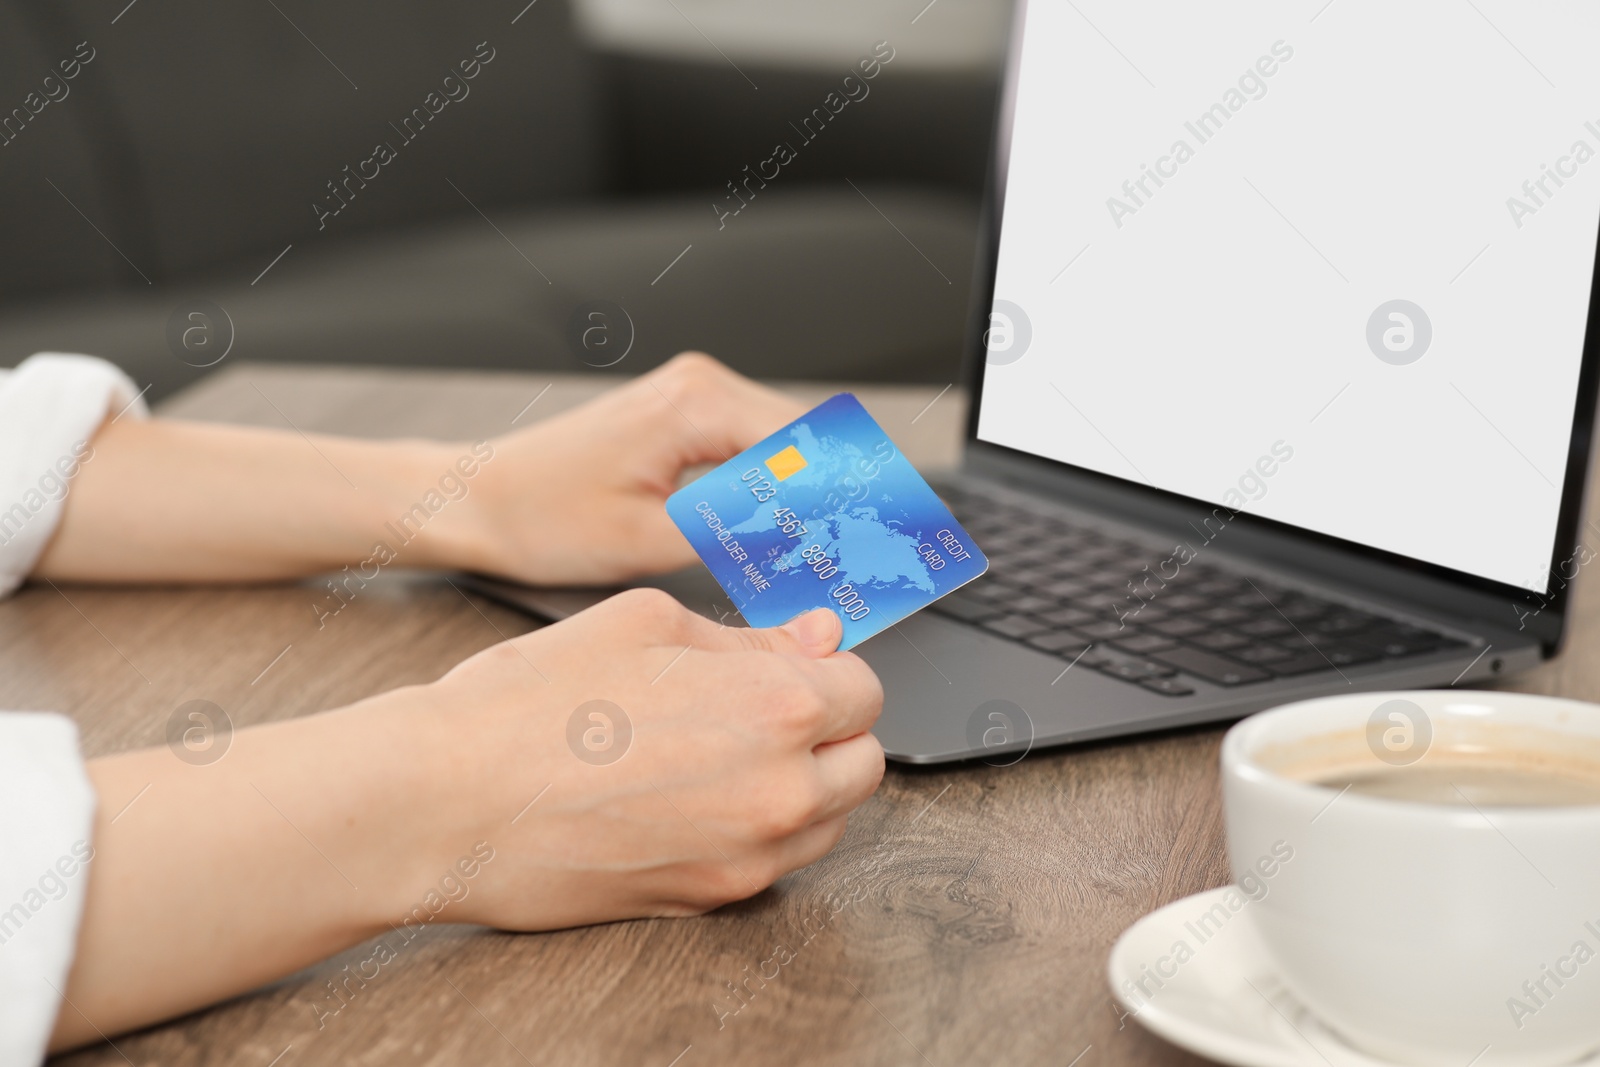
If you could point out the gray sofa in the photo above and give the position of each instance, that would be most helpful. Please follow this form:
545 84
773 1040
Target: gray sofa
207 156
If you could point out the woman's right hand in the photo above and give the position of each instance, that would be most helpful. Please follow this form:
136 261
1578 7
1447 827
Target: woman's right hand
741 753
745 751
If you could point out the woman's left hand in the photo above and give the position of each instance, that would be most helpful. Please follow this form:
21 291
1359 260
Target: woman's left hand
578 499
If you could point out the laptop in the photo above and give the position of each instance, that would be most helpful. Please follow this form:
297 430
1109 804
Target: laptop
1282 375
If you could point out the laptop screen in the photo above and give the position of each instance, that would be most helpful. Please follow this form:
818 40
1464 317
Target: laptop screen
1324 263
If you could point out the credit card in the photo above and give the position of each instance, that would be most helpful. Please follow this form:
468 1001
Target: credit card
826 512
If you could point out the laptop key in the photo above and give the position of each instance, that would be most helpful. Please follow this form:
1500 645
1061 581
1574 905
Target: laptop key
1224 616
1101 631
987 591
1029 603
1069 539
965 608
1299 663
1314 638
1133 672
1211 667
1344 622
1220 587
1094 657
1061 642
1389 633
1179 627
1394 649
1303 609
1269 591
1406 630
1350 655
1262 654
1220 640
1273 625
1074 567
1066 588
1413 635
1167 687
1015 626
1143 643
1149 613
1069 617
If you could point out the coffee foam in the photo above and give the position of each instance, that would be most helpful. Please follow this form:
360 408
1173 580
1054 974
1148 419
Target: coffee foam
1475 747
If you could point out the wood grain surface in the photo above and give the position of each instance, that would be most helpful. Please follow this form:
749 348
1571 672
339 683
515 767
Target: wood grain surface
965 918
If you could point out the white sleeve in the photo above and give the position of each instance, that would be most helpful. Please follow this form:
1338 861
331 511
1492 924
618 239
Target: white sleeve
46 817
50 407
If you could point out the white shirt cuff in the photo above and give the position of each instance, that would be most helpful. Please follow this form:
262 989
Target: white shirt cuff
50 406
46 817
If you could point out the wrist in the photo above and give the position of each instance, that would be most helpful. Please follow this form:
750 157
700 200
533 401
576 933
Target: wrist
439 801
426 513
402 812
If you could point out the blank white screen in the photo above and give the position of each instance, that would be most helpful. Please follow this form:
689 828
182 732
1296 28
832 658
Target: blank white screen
1225 310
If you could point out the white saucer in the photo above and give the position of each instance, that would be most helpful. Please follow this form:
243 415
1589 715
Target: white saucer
1209 1007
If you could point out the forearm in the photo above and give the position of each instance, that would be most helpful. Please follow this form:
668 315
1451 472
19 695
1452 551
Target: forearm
176 501
306 837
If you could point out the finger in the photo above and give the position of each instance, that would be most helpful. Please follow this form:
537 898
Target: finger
809 845
725 412
840 696
850 771
850 693
812 634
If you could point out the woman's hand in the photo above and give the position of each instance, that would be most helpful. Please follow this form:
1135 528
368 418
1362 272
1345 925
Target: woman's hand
573 500
578 499
744 752
683 764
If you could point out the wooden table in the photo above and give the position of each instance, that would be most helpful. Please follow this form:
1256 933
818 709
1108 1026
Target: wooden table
983 901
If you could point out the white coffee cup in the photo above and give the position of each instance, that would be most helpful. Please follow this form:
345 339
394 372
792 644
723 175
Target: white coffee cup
1424 933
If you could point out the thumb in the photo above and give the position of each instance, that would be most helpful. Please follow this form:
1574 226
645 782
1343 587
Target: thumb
815 633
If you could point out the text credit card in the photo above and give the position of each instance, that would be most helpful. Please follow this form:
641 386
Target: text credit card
826 513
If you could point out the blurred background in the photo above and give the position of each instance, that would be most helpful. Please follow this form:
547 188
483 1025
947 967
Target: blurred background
188 184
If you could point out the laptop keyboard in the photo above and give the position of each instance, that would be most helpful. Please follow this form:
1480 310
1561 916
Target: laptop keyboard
1064 589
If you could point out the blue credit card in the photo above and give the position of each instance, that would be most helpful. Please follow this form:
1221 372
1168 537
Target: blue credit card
826 512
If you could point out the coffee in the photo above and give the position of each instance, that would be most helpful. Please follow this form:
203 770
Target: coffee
1467 763
1491 780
